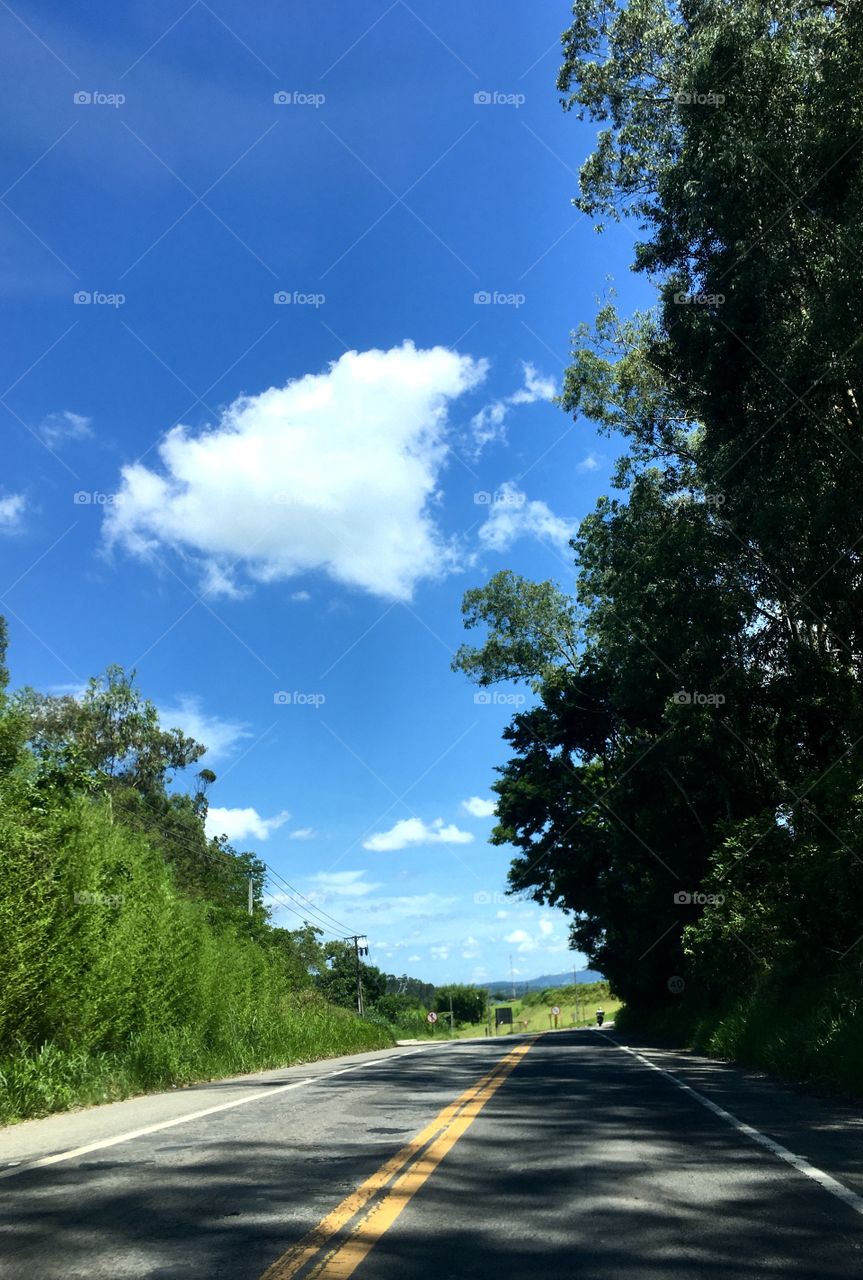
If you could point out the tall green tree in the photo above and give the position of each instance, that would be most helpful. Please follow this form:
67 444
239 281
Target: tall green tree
705 739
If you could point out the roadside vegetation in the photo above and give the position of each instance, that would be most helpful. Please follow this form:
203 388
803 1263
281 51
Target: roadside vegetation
689 780
128 958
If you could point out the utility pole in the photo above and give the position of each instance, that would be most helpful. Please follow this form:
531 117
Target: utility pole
361 948
251 895
512 976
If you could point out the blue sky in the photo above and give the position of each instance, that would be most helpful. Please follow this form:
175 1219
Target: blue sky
288 289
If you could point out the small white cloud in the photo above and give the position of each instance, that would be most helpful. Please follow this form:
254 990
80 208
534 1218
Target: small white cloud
501 915
55 428
488 425
301 597
590 462
302 833
414 959
240 824
336 472
440 953
343 884
11 511
542 940
513 517
536 387
479 808
410 832
424 907
217 735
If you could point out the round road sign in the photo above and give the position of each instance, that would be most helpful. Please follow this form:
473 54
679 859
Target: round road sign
555 1009
432 1017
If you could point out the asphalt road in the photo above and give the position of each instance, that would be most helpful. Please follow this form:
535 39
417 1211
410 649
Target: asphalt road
565 1155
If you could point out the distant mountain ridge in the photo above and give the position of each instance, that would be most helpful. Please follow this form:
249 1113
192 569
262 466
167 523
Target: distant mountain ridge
544 980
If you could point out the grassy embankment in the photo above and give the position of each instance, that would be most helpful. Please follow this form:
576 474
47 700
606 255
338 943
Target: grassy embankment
114 983
808 1033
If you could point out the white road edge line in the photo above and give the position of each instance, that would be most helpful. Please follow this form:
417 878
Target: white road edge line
43 1161
824 1180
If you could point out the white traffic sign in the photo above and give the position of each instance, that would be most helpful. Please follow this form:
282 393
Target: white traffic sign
431 1017
555 1009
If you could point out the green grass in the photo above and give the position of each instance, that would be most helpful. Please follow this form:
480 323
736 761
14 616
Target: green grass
52 1078
802 1031
116 983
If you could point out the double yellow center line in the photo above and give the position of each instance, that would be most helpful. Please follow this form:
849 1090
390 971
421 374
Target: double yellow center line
390 1188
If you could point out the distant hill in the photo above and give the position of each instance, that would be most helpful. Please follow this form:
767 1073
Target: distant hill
544 980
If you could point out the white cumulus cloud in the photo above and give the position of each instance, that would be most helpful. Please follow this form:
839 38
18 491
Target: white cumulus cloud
479 808
488 425
65 425
217 735
410 832
512 517
343 884
240 824
11 511
335 472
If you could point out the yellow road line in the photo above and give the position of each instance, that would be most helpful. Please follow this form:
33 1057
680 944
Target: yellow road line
447 1127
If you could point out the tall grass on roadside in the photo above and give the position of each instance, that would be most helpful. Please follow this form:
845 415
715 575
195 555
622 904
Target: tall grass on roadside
112 982
806 1031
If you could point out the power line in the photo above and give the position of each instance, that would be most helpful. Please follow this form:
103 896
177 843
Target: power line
305 915
330 924
323 918
286 906
321 911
